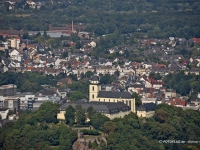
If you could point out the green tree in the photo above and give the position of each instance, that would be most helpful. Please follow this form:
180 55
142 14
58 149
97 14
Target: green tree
82 75
117 73
50 112
64 54
137 97
109 127
52 42
70 114
161 116
78 45
76 96
98 120
80 115
88 74
90 112
107 79
40 39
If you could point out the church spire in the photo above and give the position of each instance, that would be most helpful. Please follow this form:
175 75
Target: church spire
95 70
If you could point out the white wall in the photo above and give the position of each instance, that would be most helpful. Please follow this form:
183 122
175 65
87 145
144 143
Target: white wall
4 114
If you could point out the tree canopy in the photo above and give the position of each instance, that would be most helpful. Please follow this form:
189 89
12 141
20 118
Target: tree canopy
37 130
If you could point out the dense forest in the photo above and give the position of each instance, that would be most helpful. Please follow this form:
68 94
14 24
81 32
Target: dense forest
158 19
40 130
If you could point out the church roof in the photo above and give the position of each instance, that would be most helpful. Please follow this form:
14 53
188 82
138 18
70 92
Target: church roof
114 94
99 107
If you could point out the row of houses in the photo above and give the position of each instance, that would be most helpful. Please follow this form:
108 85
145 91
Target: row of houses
17 101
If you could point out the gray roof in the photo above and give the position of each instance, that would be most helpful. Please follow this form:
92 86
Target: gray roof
147 107
114 94
46 92
99 107
3 109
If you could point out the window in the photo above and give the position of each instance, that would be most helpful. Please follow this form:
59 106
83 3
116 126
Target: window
93 88
104 100
92 95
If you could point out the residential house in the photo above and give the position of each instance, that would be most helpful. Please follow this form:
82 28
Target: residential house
169 93
136 87
176 101
195 71
64 81
5 61
63 91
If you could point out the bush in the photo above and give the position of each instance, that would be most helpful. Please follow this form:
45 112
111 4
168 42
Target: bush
90 132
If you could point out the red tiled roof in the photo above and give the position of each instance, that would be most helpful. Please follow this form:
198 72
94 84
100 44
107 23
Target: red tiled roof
196 40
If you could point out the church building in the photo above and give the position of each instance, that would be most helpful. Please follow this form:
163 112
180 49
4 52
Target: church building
97 95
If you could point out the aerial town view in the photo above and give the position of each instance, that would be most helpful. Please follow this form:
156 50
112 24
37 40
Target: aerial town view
100 75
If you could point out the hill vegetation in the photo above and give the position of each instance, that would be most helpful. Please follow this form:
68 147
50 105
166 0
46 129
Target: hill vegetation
158 19
169 126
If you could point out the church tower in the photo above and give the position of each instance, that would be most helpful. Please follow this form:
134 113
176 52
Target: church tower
94 88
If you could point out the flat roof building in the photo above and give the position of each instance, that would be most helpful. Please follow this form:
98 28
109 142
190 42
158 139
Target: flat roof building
8 90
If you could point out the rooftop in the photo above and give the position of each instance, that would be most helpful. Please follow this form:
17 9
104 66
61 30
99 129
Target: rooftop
113 94
100 107
147 107
8 86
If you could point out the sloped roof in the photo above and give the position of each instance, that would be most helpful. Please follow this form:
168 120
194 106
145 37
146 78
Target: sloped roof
114 94
147 107
100 107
